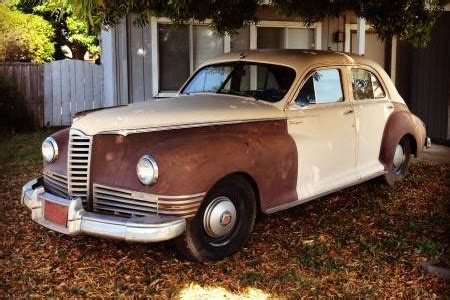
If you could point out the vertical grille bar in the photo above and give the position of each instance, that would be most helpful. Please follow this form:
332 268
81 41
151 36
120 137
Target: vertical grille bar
78 164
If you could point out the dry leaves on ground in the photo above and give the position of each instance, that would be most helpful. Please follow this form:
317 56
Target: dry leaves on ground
368 240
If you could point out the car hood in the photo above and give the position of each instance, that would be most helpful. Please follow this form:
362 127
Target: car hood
179 112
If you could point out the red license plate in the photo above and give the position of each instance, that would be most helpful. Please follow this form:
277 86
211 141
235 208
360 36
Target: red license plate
56 213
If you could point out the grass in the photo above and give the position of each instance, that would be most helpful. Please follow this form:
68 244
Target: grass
364 241
23 148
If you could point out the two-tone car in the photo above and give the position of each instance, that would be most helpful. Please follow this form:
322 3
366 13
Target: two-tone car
249 133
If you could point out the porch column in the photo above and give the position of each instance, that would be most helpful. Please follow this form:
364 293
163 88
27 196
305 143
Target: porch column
394 59
361 36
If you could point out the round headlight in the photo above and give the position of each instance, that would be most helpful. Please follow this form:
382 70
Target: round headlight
147 170
50 150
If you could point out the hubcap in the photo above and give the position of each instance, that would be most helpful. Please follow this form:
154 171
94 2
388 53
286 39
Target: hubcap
399 158
219 217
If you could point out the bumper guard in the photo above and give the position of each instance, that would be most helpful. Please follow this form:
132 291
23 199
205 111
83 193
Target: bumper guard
427 143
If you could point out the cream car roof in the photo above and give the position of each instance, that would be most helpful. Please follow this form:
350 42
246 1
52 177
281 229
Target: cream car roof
296 59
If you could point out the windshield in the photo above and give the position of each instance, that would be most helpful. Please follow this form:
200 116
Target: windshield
260 81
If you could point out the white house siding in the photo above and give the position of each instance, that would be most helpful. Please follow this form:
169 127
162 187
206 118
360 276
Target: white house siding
329 27
375 48
140 62
121 66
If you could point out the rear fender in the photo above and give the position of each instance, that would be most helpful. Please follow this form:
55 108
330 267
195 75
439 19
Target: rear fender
401 123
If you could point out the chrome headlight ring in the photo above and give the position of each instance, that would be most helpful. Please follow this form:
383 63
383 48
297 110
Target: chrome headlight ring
49 150
147 170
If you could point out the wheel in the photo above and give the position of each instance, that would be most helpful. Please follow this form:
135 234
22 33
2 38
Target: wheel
223 223
400 163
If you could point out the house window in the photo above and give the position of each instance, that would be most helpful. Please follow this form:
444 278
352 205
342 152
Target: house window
206 44
301 38
180 50
240 40
270 37
287 35
173 52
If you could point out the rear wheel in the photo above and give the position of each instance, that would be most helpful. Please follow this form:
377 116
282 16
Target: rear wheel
223 223
400 163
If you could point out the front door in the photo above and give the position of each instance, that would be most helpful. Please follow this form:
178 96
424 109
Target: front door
322 123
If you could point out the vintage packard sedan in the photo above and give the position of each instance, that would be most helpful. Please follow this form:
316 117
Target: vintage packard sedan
253 132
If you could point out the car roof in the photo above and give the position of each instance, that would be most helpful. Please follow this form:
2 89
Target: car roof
302 60
298 59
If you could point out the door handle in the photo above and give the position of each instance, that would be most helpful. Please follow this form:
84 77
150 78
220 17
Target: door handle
350 111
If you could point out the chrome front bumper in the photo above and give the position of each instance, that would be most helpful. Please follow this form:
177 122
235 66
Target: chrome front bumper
153 228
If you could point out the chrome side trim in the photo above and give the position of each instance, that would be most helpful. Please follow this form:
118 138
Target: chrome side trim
126 132
298 202
152 228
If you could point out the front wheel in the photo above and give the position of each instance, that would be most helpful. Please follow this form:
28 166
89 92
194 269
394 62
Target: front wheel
223 223
400 163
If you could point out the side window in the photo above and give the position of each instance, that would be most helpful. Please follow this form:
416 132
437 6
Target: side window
378 91
323 86
365 85
306 95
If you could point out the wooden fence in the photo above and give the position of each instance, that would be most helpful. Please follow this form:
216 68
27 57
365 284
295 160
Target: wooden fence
54 92
71 86
28 81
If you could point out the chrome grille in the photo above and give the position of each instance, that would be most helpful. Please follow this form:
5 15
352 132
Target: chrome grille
127 203
78 163
55 184
122 202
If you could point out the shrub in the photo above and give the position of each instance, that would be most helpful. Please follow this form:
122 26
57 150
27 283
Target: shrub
24 37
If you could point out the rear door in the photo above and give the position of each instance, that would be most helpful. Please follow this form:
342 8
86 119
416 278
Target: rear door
322 122
372 108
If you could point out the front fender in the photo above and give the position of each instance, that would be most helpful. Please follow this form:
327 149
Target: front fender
192 160
59 166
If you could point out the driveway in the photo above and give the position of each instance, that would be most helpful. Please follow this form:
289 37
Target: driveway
437 153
